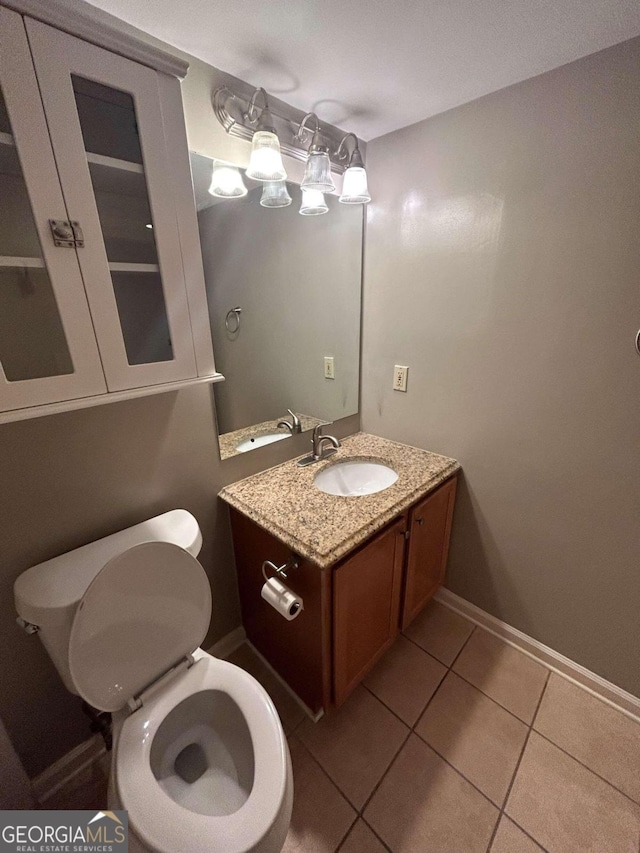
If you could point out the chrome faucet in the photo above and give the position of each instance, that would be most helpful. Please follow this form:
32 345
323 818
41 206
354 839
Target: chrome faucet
294 427
319 452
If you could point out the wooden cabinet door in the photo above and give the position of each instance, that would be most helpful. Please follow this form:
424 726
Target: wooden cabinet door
366 603
48 350
429 531
105 119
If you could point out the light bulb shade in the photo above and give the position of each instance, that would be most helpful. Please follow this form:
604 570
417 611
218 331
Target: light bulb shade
226 182
275 194
317 175
354 186
265 163
313 203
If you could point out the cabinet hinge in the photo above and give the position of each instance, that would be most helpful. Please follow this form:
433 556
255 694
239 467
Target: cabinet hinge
68 235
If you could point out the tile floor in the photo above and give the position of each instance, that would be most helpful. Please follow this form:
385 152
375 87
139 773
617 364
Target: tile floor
457 743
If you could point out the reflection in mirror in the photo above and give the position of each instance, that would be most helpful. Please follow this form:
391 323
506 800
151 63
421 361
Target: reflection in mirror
284 305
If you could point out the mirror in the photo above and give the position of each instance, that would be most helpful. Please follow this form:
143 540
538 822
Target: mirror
284 296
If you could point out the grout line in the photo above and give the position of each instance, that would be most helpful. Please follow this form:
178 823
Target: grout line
495 701
586 767
334 784
463 646
382 778
347 833
517 768
457 770
384 844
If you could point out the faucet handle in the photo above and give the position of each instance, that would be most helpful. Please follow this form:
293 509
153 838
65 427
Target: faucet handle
295 422
317 430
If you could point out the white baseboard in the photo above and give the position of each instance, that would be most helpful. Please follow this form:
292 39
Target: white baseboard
64 773
228 644
615 696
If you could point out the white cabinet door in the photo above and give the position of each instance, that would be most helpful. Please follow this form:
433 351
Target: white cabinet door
48 350
105 119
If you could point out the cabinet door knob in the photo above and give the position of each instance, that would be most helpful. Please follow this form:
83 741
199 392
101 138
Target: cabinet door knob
420 521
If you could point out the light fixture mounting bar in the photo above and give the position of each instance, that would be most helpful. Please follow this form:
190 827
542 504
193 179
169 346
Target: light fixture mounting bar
239 115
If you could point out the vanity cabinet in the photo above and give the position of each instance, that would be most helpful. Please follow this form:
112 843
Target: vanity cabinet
366 603
94 298
354 609
429 533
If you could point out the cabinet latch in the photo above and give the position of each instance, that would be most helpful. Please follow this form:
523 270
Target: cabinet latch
66 234
407 535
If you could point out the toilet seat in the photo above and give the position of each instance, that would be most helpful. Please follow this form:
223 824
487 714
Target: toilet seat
143 613
164 824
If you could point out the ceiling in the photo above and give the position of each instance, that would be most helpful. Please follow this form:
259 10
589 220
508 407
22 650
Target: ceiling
373 66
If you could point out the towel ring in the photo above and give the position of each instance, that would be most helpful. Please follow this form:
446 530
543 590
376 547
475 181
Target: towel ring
229 324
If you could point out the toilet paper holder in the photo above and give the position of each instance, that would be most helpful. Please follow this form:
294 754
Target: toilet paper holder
280 571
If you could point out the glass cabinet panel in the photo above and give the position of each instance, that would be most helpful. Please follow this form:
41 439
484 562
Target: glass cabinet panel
32 339
110 134
48 349
106 123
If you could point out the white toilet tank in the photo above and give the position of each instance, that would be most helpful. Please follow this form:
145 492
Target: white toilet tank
47 595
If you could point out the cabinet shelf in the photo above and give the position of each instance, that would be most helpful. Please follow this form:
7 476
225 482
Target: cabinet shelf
118 177
11 261
102 399
117 267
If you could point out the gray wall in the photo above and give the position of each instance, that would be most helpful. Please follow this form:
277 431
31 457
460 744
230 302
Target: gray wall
71 478
502 265
68 479
298 282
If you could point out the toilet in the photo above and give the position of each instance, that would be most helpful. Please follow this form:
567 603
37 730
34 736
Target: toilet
199 760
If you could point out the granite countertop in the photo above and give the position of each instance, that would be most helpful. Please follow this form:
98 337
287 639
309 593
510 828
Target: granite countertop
229 440
323 528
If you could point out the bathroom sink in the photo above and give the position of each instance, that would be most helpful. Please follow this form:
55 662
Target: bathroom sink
355 477
261 440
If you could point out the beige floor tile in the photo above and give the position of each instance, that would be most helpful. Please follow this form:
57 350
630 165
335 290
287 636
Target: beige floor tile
477 736
405 679
440 631
362 840
503 673
594 733
355 743
423 805
321 815
511 839
568 809
288 709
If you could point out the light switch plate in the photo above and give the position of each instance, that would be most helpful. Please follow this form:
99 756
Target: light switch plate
329 370
400 374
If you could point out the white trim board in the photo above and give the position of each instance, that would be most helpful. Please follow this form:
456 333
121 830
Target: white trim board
599 687
228 644
62 773
99 27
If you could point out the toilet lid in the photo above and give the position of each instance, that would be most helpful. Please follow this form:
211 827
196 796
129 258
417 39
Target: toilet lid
143 612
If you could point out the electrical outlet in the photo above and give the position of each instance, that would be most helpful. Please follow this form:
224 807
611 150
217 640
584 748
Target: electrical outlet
329 370
400 374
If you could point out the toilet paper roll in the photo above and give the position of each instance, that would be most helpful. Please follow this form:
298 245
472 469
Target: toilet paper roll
282 599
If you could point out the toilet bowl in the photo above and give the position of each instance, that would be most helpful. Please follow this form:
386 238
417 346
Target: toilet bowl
205 766
200 760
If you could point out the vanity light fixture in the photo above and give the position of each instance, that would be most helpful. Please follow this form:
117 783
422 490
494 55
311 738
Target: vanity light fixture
273 133
354 183
265 163
226 181
275 194
313 203
317 175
